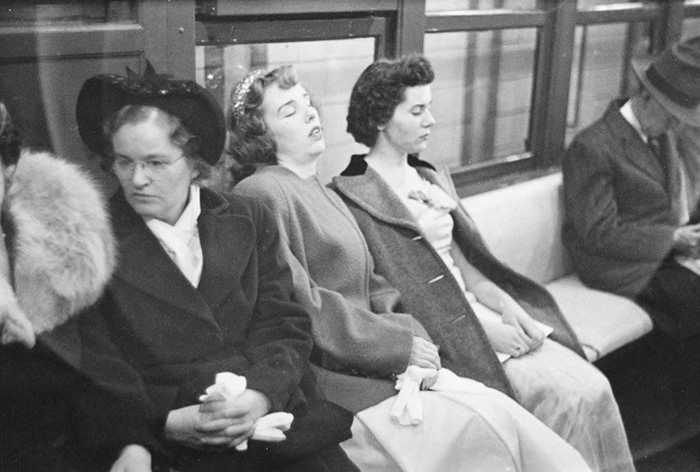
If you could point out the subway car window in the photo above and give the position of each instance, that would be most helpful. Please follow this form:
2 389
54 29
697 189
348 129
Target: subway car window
691 26
600 71
481 95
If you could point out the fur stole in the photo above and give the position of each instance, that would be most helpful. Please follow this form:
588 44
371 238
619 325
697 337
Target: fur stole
62 247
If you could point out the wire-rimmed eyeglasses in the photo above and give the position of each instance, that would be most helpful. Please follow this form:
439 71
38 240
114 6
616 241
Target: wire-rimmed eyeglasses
152 168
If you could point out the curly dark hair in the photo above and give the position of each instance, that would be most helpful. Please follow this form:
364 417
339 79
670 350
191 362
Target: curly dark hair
10 143
379 90
249 145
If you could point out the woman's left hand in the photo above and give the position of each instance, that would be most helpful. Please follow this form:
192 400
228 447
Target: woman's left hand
191 428
514 314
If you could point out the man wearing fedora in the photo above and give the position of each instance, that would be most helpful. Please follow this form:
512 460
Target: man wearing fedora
630 196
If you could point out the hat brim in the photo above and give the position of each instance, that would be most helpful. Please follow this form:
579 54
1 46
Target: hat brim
689 116
102 96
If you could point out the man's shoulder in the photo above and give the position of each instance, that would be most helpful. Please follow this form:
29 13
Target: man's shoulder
607 124
601 135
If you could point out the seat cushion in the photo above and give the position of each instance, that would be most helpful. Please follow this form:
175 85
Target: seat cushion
603 321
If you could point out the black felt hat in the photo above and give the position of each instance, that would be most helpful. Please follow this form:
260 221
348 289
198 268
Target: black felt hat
197 109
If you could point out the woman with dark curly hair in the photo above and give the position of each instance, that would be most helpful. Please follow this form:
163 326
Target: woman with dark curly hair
425 244
362 343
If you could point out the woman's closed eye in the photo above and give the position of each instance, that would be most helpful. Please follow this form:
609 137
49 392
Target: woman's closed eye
288 110
418 110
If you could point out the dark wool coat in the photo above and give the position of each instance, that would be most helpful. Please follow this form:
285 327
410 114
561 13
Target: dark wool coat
620 205
162 341
428 289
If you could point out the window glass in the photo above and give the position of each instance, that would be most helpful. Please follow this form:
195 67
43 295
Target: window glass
481 94
435 6
26 13
601 69
691 27
328 69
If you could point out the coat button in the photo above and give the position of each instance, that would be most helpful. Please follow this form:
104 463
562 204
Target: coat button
436 279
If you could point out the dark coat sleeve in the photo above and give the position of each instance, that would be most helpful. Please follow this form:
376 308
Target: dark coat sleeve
279 339
111 405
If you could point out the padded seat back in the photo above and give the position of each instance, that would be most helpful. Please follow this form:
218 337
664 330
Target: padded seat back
522 226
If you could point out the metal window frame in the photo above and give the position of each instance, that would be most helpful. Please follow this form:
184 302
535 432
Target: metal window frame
394 24
239 30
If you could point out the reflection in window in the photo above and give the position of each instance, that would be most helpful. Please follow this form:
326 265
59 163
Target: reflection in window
435 6
481 94
46 12
691 28
601 69
328 70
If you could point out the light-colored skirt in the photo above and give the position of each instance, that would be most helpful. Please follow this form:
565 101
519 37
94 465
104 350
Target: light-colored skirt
574 399
460 432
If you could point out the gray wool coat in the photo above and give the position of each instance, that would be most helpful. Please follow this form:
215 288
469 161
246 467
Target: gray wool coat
428 289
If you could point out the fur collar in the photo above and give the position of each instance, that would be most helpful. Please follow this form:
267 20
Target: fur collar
60 244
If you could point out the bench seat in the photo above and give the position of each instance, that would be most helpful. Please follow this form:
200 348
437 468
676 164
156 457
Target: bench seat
602 321
521 224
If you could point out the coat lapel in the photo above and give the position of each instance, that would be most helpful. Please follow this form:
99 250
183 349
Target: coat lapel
464 225
373 195
144 265
636 152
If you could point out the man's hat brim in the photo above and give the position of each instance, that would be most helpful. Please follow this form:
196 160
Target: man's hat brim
103 95
687 115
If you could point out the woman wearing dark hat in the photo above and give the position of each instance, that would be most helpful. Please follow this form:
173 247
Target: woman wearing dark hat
56 256
199 289
631 223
